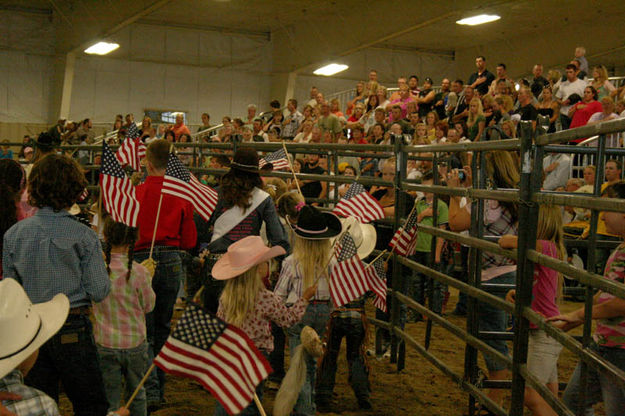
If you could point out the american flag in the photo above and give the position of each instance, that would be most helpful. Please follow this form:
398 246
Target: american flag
376 278
219 356
133 131
181 183
358 203
131 152
118 193
404 240
278 159
347 280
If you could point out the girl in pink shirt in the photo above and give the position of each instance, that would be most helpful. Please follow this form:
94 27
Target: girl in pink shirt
543 351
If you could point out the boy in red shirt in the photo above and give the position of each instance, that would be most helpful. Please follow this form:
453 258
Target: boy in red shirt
175 231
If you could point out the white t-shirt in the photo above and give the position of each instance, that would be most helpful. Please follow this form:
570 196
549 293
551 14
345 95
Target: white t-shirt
566 89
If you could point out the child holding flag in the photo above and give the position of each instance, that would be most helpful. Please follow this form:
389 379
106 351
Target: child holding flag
174 231
246 303
310 265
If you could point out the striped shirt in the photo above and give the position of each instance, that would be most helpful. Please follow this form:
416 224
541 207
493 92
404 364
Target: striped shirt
33 401
120 318
289 286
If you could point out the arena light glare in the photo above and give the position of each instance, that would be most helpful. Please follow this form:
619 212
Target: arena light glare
101 48
478 20
330 69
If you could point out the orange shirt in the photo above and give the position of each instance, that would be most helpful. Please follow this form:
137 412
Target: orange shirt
181 129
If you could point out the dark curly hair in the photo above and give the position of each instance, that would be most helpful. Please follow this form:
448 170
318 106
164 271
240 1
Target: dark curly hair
55 181
11 184
119 234
237 185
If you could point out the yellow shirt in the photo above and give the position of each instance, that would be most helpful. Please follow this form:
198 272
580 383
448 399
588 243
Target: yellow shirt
601 229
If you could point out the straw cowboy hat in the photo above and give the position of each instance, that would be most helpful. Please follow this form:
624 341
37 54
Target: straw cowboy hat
313 224
25 327
364 235
242 256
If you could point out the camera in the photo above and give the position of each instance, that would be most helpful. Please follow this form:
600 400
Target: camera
462 175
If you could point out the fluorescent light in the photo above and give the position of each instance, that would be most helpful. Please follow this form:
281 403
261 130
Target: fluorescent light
478 20
101 48
330 69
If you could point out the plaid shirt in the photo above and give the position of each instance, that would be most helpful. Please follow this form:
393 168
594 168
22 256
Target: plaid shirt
33 402
120 318
51 253
289 286
498 221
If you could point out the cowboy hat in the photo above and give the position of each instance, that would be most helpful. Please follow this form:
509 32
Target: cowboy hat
242 256
245 159
313 224
364 235
25 327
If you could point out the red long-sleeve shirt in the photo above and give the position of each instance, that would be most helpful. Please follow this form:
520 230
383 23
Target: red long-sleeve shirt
175 224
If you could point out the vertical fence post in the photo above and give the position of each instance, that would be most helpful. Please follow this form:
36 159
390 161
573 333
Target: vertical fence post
431 263
528 219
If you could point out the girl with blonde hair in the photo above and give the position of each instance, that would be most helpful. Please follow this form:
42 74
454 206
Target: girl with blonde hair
543 351
601 83
476 121
308 267
246 303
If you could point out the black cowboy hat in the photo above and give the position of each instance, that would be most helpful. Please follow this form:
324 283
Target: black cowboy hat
313 224
46 141
245 159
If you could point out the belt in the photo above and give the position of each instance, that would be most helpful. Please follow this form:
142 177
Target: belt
80 310
159 249
317 302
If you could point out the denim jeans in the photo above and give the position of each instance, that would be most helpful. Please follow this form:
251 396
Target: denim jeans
129 364
419 285
316 317
354 332
600 387
165 283
461 273
71 357
252 408
494 319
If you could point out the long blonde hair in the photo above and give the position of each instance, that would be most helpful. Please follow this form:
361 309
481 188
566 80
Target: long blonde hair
550 229
239 296
313 257
480 110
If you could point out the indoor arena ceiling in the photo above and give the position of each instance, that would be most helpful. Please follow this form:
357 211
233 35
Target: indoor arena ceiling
307 30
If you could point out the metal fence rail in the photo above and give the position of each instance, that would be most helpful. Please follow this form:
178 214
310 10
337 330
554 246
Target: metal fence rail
528 196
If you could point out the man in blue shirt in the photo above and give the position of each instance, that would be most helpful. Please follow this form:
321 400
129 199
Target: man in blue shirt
52 253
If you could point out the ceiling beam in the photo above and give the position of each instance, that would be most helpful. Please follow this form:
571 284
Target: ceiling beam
423 51
207 28
26 9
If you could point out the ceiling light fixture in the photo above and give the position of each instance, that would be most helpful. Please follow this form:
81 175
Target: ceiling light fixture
330 69
478 20
101 48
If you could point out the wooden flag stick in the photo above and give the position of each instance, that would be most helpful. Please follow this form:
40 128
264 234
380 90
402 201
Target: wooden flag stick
374 260
288 159
143 380
158 214
100 222
259 405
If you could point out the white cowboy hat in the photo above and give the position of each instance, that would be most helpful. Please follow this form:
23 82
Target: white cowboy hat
25 327
242 256
364 235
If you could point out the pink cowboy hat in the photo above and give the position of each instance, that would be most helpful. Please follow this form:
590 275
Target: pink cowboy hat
242 256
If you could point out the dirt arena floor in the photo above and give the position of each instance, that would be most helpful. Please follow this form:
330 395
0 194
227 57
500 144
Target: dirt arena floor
420 389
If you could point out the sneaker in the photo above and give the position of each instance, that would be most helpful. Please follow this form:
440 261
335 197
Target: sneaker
364 403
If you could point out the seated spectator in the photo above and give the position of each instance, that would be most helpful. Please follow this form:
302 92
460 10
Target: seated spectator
305 134
402 101
581 112
359 110
335 107
358 135
275 123
607 113
396 117
5 150
377 134
461 112
421 135
328 122
431 119
251 114
509 129
368 118
620 108
359 97
413 84
526 109
440 132
538 82
557 168
441 97
292 121
396 95
313 188
382 100
258 134
179 128
453 97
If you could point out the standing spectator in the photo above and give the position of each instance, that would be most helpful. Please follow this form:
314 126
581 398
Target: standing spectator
85 129
179 127
328 122
482 78
581 112
440 99
601 83
359 97
607 113
476 121
572 85
461 111
425 97
382 100
413 84
313 96
5 151
500 74
71 254
251 114
454 96
206 119
315 188
292 121
539 82
580 56
613 173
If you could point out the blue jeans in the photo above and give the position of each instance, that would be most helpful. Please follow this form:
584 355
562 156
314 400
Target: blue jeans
419 285
354 332
166 282
496 320
131 364
71 357
600 387
317 316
